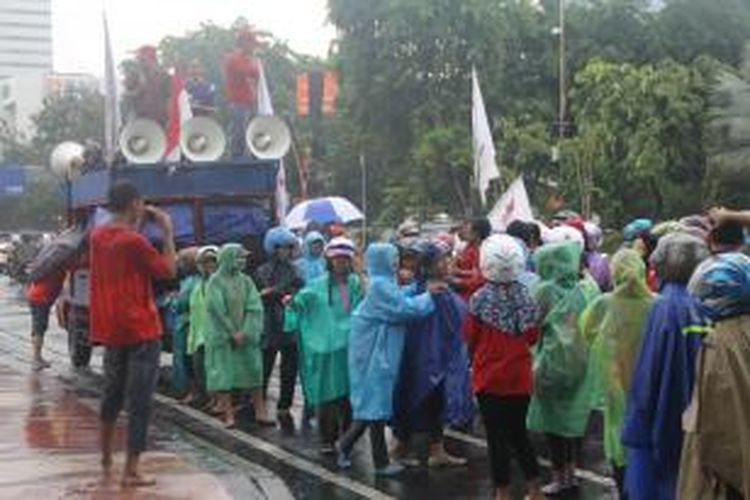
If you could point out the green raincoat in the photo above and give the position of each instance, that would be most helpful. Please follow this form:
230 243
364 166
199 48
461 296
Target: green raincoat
197 334
613 327
233 305
561 401
324 326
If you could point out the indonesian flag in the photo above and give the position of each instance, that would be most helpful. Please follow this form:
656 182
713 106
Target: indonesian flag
179 113
512 205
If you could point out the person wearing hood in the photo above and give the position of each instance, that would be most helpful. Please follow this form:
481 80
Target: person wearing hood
179 304
595 261
434 384
613 327
323 311
312 264
234 319
375 350
561 403
206 263
662 382
502 325
278 279
716 452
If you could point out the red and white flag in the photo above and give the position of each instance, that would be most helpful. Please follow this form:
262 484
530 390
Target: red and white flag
265 107
111 107
179 112
512 205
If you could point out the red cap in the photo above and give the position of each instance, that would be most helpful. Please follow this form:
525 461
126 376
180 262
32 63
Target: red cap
577 223
147 53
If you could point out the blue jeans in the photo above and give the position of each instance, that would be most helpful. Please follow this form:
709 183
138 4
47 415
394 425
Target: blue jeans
130 375
240 117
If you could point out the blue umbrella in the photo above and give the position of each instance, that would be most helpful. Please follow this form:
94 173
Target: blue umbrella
330 210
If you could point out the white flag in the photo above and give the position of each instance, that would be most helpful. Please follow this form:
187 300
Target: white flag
111 105
485 168
512 205
265 107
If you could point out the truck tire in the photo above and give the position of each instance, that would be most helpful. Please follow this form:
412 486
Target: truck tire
79 348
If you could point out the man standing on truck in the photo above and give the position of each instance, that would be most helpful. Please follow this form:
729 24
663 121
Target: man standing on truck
124 318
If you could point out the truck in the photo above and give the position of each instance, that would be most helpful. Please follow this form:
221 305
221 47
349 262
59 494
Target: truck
210 204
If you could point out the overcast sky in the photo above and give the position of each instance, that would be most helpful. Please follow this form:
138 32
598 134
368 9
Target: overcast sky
78 35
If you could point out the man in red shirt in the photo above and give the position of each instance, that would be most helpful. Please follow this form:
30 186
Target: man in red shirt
124 318
467 278
41 295
241 75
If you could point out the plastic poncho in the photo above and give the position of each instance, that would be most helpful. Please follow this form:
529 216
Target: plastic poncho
561 403
435 358
180 306
197 332
377 335
613 326
233 305
660 391
324 326
311 266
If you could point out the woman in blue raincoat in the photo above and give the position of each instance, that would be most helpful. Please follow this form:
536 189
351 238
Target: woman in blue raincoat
434 385
664 374
375 349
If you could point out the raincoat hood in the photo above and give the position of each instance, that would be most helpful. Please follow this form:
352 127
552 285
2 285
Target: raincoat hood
278 236
381 260
502 259
722 286
629 275
227 259
204 252
559 263
310 239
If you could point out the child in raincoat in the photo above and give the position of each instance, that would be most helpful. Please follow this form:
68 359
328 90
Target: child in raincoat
312 264
561 403
206 263
234 319
323 310
664 373
613 326
375 349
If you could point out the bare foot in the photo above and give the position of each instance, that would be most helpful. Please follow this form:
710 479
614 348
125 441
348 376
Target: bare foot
137 481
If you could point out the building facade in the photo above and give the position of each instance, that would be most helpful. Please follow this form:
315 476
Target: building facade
25 59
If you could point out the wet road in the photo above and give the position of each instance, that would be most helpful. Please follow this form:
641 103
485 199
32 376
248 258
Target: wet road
289 457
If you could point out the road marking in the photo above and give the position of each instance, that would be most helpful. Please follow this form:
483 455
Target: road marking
279 453
580 473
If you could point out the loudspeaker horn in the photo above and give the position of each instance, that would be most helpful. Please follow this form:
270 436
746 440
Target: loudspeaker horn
143 141
202 139
268 137
66 159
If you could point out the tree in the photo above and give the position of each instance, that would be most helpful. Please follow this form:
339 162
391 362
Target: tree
640 136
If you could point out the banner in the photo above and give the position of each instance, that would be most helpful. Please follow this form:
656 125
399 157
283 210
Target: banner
265 107
512 205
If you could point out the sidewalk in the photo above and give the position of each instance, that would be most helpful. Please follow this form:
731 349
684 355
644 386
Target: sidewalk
49 450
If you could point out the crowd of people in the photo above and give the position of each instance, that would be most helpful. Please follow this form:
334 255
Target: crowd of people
533 329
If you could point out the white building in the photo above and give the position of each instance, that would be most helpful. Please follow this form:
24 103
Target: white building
25 58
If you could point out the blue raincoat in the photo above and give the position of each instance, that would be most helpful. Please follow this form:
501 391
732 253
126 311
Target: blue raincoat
377 338
661 389
435 357
310 266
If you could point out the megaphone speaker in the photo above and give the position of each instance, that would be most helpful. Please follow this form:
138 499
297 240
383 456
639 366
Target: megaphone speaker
202 139
143 141
268 137
66 159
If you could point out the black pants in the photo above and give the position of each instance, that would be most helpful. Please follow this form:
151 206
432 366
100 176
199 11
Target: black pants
426 419
199 375
564 450
505 423
334 419
619 474
377 439
289 362
130 375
